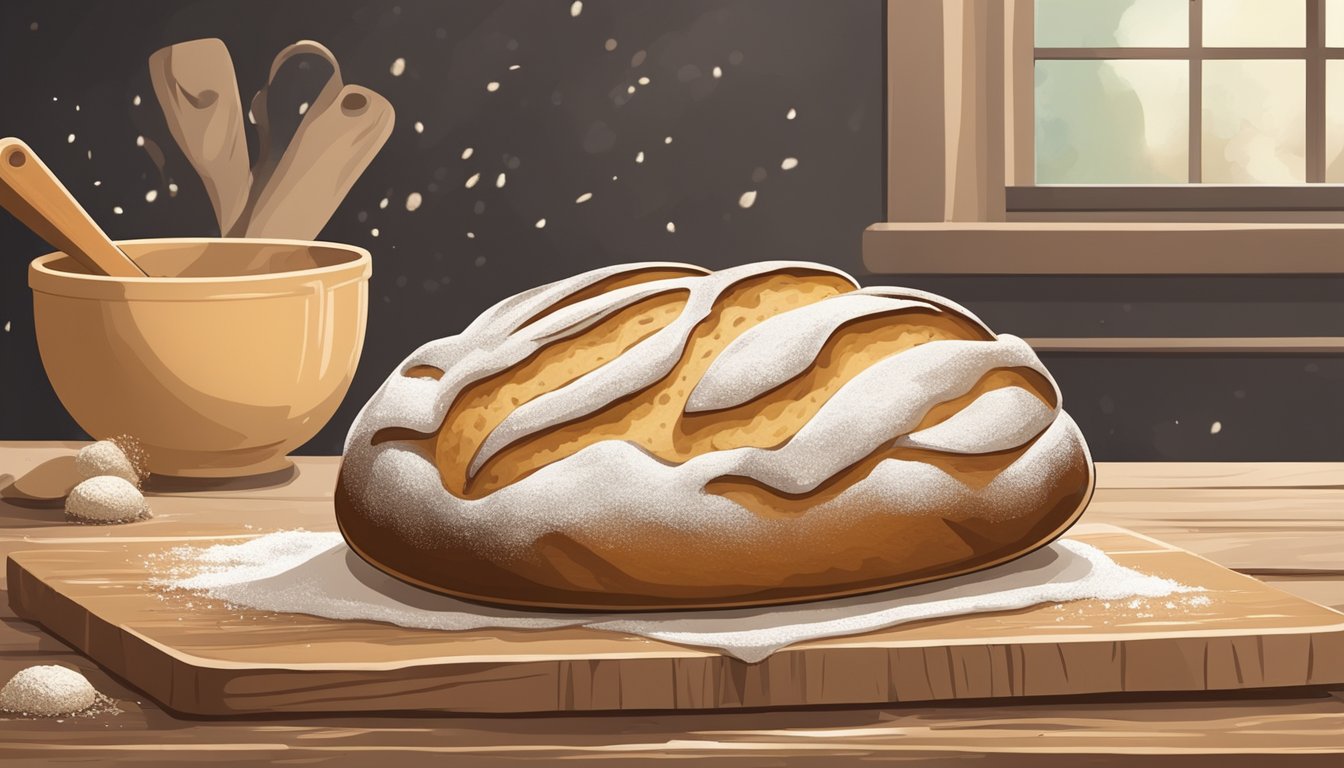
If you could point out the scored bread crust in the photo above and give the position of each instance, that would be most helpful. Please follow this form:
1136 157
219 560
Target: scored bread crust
655 436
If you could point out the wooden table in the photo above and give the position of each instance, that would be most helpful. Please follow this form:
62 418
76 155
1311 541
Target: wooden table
1283 523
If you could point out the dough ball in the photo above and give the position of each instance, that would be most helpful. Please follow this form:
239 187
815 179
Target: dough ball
47 690
106 499
107 457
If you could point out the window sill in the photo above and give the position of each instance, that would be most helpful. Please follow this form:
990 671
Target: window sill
1222 345
1103 248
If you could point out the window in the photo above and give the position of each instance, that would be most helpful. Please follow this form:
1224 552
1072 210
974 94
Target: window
1247 95
963 192
1171 91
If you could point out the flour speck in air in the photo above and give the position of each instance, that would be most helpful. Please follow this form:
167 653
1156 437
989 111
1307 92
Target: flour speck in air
747 199
413 201
398 67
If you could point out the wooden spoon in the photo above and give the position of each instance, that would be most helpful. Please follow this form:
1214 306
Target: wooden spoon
30 191
199 96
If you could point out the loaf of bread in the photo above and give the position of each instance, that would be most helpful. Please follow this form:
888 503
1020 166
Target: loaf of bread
655 436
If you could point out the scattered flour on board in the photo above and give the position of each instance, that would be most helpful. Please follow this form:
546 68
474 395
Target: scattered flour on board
318 575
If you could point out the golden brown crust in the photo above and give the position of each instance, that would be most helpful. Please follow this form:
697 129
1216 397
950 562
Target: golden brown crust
837 537
577 579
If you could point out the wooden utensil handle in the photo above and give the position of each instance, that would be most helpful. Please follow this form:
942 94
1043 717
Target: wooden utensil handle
331 148
30 191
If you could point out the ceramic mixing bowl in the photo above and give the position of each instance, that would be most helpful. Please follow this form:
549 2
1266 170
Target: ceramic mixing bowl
239 356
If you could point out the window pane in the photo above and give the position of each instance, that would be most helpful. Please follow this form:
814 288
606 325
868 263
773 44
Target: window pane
1334 121
1258 23
1334 23
1254 128
1112 122
1111 23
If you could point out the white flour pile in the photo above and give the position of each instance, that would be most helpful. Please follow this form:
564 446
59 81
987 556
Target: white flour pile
318 575
105 499
110 492
49 691
120 457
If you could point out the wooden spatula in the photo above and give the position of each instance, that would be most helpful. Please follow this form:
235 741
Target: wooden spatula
30 191
196 88
331 148
276 128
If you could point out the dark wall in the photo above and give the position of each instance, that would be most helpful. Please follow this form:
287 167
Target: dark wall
559 126
562 125
1182 407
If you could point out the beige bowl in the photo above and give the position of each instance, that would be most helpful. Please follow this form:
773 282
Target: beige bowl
220 370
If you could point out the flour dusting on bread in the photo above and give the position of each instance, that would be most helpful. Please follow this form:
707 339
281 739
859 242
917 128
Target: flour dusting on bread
651 436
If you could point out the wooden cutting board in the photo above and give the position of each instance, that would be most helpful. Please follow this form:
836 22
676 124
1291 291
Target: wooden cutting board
204 659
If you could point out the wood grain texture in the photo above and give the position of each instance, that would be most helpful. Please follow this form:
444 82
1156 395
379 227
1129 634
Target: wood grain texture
208 659
1299 728
1220 474
1275 728
1324 589
1259 530
1019 98
916 145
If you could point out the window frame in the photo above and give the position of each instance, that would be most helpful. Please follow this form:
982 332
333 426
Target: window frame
1313 200
958 96
960 118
